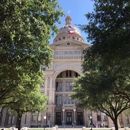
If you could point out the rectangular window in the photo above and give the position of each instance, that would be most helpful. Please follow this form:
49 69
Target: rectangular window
34 117
76 52
56 100
60 99
70 86
66 52
56 86
61 52
80 52
67 86
59 86
67 99
70 52
98 116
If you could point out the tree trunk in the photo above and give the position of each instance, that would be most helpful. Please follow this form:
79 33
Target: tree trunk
115 123
19 121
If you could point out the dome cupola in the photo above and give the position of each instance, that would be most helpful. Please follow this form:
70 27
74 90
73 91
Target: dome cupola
68 20
68 31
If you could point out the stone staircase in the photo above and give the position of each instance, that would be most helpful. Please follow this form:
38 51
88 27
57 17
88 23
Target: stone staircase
70 126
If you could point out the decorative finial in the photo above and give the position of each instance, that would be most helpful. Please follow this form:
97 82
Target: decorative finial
68 12
68 19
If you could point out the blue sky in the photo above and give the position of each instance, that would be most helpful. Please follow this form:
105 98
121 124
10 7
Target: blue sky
78 9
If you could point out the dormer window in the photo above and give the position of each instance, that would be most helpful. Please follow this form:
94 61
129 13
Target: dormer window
68 43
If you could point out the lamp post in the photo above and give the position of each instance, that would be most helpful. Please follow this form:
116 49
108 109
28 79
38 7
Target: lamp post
91 122
74 117
44 122
48 117
63 116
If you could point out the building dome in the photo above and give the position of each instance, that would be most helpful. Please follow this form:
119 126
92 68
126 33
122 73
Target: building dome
68 31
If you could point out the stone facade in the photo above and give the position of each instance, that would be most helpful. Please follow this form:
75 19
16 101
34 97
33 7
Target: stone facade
65 66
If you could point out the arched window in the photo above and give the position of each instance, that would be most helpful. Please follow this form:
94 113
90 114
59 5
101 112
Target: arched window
34 117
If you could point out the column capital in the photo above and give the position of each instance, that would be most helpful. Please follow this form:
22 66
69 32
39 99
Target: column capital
63 110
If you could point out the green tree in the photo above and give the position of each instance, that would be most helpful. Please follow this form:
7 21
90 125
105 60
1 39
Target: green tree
25 29
109 29
105 84
26 100
93 89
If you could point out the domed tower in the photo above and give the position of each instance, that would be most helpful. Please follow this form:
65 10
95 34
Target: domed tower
67 48
68 31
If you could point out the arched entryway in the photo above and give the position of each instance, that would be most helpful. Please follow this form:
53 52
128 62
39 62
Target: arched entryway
65 109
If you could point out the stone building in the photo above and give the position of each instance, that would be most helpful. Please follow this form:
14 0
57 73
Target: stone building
67 48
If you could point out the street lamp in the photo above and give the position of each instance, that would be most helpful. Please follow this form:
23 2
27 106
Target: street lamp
91 122
44 122
74 117
48 117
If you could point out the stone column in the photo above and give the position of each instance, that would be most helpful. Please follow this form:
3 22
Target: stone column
46 79
50 91
74 116
63 121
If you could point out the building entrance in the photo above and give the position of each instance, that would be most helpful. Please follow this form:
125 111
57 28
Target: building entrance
58 118
80 118
69 118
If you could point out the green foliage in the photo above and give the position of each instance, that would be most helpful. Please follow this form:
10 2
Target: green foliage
25 100
105 84
109 29
25 29
101 82
102 88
